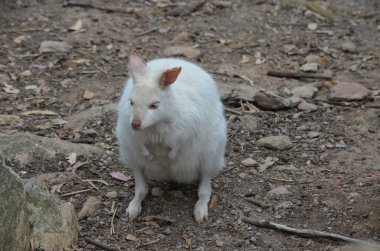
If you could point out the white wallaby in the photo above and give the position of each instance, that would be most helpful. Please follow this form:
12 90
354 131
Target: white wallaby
171 127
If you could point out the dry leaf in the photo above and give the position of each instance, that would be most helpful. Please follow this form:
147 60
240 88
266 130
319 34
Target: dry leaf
72 158
81 61
19 39
57 188
131 237
244 59
120 176
312 26
269 161
88 95
26 73
214 200
10 89
77 26
91 205
39 112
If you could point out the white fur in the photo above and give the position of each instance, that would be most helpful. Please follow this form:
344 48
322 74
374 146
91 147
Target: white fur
182 141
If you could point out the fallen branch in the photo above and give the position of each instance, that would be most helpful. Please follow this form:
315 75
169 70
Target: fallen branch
99 6
100 245
259 203
297 75
147 32
308 232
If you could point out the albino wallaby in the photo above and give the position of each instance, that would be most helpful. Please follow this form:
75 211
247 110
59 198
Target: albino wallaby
171 127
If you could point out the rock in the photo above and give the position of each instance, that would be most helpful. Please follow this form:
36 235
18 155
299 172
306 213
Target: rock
313 134
89 208
310 67
112 195
87 95
250 122
15 228
346 91
307 107
304 91
32 217
244 92
188 52
249 162
79 120
276 142
278 191
312 26
54 46
157 192
311 58
54 223
25 147
284 205
348 47
271 101
341 144
219 243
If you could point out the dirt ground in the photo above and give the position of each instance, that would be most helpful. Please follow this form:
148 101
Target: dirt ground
332 179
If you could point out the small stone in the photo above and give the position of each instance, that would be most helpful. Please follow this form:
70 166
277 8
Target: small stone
111 195
167 231
281 190
284 205
311 58
329 145
313 134
54 46
371 130
276 142
341 144
157 192
219 243
89 208
346 91
250 122
88 95
307 107
271 101
249 162
304 91
26 73
310 67
188 52
348 47
312 26
181 37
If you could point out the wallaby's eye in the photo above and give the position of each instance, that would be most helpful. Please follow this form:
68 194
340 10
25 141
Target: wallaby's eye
131 102
154 105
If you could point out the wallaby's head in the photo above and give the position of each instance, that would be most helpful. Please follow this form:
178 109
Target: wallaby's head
150 86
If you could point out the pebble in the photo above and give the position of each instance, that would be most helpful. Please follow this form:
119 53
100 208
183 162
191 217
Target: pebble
311 58
313 134
271 101
54 46
281 190
341 144
346 91
310 67
307 107
249 162
304 91
157 192
312 26
280 142
111 195
348 47
284 205
219 243
188 52
167 231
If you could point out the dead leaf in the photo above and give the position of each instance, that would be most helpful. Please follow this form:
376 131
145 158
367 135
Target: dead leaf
54 46
10 89
26 73
57 188
88 95
76 166
214 200
131 237
81 61
120 176
269 161
72 158
19 39
39 112
312 26
77 26
91 205
189 52
244 59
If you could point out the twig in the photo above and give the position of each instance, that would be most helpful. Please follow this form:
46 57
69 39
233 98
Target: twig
279 179
259 203
297 75
147 243
76 192
232 111
100 245
89 4
147 32
113 217
307 232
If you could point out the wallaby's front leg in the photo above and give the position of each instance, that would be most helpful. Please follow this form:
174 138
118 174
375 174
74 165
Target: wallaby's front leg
141 190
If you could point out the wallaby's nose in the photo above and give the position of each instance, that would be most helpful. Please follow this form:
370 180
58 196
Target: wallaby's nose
136 124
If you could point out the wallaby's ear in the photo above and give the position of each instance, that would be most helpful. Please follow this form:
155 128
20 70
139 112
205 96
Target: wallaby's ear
169 76
137 65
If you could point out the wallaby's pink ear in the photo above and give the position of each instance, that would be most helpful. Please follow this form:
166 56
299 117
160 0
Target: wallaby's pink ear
136 64
169 76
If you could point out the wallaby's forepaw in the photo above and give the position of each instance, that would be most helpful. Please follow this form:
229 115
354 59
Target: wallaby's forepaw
200 212
134 209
